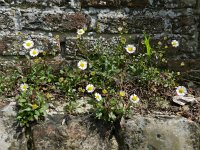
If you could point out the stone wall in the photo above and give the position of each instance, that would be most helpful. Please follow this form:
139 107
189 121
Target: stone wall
65 132
42 20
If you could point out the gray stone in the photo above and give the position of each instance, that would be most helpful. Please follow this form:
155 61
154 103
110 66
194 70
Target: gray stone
145 133
6 19
182 100
53 20
11 43
78 133
37 3
10 139
110 22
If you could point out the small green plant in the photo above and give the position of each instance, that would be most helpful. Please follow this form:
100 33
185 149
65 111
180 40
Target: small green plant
36 80
32 106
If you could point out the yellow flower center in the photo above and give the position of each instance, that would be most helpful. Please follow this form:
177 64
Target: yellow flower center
24 87
82 65
34 52
122 93
34 106
90 88
130 49
28 44
181 91
93 73
97 97
174 43
134 98
104 91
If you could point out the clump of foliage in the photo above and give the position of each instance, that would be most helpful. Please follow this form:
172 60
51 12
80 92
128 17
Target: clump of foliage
32 106
8 82
115 77
36 80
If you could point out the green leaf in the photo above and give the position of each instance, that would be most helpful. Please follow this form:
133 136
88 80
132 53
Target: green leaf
24 79
112 116
19 117
37 112
147 44
22 100
36 117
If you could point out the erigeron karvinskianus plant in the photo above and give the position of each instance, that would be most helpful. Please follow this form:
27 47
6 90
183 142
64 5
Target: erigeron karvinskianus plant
115 76
32 105
33 79
118 77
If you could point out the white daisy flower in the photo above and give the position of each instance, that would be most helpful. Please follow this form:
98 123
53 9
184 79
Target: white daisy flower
175 43
90 88
181 91
98 96
130 49
28 44
34 52
120 29
82 64
24 87
134 98
80 31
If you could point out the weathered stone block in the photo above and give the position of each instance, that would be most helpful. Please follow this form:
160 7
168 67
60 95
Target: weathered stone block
140 3
135 3
52 20
9 137
11 43
160 133
37 3
110 22
74 134
6 19
100 3
185 25
114 3
174 3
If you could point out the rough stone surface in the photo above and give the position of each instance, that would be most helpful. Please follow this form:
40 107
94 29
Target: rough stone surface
37 3
10 139
11 43
6 19
144 133
78 133
61 132
140 3
52 20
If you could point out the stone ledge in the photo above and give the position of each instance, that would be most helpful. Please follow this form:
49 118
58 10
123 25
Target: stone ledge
188 48
11 43
53 20
140 3
37 3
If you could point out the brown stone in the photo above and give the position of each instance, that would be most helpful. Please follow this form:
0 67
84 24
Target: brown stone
53 21
74 134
